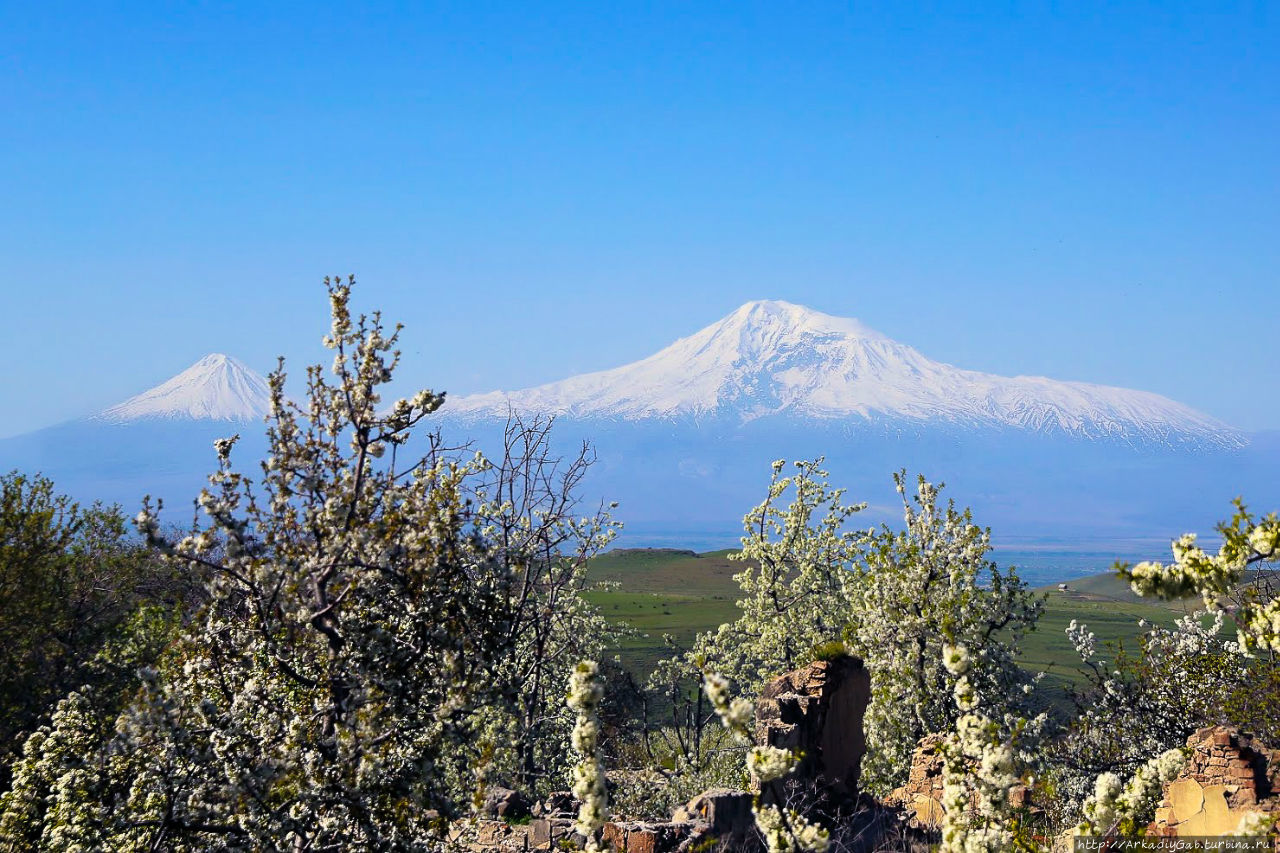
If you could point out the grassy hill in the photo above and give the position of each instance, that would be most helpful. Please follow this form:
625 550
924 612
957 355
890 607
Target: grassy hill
681 593
664 591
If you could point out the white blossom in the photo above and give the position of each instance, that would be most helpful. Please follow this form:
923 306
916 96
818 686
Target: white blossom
586 689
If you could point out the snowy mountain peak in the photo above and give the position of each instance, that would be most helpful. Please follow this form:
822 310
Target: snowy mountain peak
772 358
217 387
765 315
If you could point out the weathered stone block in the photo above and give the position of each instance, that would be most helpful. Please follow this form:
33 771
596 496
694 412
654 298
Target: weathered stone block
637 837
506 804
818 711
724 810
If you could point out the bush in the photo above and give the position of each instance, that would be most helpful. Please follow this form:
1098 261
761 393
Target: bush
71 584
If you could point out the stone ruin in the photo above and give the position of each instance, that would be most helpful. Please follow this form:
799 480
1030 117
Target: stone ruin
816 710
1228 775
921 797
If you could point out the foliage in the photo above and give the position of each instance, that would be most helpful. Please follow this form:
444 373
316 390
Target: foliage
525 505
1181 678
1116 808
660 775
793 583
1220 579
918 587
892 596
830 651
71 582
1191 675
354 644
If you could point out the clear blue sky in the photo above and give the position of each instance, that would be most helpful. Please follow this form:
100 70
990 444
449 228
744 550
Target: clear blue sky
1081 191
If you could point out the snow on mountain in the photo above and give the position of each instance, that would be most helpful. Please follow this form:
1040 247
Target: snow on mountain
773 358
216 388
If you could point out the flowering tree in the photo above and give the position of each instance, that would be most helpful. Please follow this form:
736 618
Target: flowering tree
338 689
918 587
894 596
71 586
795 563
526 510
794 583
1222 580
1181 678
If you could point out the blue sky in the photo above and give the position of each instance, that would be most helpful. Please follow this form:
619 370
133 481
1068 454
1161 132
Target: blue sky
537 190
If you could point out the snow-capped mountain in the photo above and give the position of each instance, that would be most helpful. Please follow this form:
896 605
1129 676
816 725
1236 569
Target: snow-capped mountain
215 388
772 358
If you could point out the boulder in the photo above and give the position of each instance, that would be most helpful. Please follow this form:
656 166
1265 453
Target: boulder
560 803
506 804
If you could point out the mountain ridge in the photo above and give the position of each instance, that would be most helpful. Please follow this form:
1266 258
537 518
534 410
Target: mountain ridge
771 358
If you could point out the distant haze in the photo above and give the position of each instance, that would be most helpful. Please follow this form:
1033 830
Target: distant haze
685 437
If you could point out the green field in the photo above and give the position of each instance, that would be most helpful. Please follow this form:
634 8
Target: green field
666 591
663 591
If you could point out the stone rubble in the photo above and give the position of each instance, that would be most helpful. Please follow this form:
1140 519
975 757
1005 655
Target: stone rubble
816 710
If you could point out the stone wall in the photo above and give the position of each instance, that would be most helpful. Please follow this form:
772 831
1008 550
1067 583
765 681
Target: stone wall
1228 775
921 796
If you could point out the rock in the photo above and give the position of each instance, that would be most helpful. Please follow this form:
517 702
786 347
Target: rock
560 803
492 833
818 711
724 810
505 803
498 835
921 796
546 833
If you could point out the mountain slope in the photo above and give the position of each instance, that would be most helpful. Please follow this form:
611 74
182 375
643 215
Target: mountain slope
774 358
217 388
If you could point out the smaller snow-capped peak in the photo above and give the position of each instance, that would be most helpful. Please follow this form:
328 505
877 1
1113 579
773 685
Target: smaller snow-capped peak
215 388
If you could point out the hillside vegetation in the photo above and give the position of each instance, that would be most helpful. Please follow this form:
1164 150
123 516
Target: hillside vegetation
681 593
